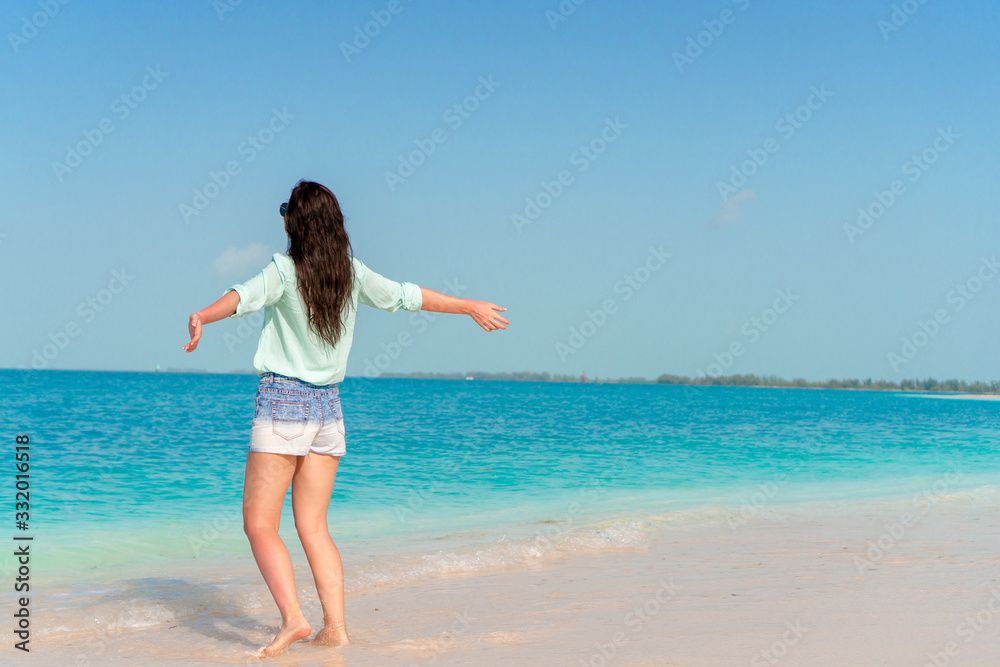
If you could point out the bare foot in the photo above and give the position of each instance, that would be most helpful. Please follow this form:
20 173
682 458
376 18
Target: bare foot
290 632
332 635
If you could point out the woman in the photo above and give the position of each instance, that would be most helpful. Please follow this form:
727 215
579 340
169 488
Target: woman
310 297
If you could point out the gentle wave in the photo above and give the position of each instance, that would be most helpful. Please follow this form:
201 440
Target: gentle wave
109 608
501 554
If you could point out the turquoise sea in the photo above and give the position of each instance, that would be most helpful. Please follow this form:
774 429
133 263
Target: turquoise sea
136 478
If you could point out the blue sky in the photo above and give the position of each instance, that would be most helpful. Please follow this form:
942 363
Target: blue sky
633 265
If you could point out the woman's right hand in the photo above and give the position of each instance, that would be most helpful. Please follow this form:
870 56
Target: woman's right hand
194 330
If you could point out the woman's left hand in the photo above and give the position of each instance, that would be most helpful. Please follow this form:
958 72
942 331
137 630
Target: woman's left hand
194 330
487 315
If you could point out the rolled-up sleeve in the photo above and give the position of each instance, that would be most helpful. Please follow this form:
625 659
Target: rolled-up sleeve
264 289
380 292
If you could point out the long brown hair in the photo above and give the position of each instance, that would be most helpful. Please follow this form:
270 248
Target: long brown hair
321 250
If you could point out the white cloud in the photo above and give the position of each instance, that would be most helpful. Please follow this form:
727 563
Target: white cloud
240 261
731 212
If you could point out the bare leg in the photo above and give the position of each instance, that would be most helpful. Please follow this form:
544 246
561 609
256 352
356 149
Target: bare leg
311 490
264 488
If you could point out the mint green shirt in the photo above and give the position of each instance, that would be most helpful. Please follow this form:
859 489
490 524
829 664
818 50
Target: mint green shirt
287 345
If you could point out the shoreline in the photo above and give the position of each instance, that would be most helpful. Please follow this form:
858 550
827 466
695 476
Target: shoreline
467 542
811 583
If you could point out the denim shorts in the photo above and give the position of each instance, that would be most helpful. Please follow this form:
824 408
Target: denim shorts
295 417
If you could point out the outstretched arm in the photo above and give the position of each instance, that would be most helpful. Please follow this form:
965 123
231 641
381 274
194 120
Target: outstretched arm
484 313
220 310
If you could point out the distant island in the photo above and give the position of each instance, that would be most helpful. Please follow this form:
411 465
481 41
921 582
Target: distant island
929 384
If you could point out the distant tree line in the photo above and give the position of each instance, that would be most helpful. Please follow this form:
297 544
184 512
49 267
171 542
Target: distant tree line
929 384
523 376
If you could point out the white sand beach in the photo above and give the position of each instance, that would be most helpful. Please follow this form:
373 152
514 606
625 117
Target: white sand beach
967 397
